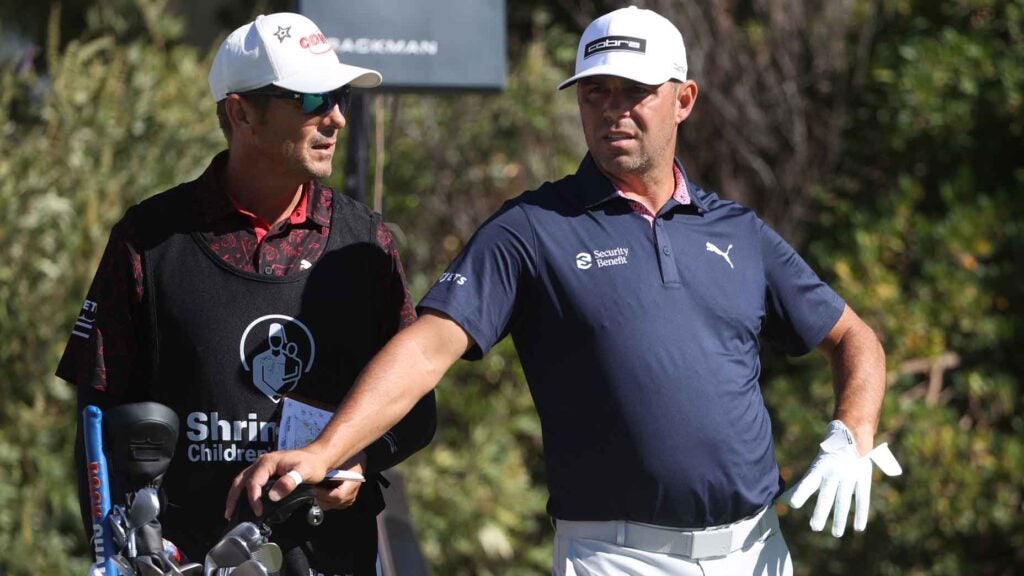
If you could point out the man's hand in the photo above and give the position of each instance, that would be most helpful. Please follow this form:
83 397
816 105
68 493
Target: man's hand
293 468
343 494
838 473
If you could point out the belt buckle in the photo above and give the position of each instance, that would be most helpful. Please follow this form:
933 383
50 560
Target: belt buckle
711 544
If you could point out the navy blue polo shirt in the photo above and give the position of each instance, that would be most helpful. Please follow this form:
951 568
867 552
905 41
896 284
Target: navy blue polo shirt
640 343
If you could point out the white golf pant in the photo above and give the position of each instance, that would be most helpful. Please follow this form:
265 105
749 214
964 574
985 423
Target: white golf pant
751 547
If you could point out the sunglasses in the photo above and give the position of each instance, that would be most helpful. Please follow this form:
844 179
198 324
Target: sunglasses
312 104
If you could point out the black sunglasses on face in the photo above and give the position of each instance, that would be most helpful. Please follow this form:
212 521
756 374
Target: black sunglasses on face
312 104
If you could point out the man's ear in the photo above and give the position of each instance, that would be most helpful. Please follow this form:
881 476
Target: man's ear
239 113
686 97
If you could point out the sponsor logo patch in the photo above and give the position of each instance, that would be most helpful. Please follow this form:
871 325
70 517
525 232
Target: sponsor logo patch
716 250
216 439
277 350
615 44
458 279
602 258
315 43
86 320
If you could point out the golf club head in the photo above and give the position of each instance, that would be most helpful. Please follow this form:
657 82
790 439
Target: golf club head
250 568
249 533
124 567
118 527
147 568
227 553
270 556
190 569
144 509
168 563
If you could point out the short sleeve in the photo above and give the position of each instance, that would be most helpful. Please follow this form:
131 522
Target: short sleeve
106 342
801 308
482 288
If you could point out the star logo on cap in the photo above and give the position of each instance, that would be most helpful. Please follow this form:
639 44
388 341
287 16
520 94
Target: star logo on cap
283 32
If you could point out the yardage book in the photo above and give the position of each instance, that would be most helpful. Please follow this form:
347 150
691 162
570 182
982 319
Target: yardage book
301 423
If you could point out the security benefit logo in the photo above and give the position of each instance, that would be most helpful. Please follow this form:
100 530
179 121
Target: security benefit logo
277 350
603 258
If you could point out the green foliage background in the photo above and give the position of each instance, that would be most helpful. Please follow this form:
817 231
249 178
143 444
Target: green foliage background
919 228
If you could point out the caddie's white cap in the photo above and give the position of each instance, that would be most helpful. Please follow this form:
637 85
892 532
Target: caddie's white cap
640 45
286 50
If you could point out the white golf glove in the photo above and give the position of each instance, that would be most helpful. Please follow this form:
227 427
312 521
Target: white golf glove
837 474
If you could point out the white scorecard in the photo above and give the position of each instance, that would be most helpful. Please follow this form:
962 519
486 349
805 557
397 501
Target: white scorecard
300 424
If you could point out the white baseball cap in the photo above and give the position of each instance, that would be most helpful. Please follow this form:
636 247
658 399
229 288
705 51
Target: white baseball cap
640 45
286 50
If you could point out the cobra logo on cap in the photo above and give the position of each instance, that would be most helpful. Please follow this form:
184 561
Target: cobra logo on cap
615 43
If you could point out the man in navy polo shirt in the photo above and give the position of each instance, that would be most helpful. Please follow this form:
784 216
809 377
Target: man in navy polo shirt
637 302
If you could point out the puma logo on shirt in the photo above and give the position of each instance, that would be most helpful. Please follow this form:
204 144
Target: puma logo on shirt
712 248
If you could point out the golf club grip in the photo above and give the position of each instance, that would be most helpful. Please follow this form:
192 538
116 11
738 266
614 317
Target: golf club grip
99 488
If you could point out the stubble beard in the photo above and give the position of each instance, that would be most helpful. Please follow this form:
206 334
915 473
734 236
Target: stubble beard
644 160
321 172
305 164
318 169
637 164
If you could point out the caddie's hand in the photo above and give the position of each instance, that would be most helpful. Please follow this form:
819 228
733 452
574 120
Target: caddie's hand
342 494
838 473
293 467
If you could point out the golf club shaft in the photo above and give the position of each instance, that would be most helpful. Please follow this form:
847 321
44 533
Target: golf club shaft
99 488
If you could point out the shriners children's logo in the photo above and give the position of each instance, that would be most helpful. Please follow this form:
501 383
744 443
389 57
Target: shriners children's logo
277 350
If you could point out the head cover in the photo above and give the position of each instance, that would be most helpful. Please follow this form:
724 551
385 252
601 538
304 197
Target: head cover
640 45
286 50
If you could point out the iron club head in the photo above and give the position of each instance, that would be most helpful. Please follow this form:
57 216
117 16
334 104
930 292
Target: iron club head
118 527
144 509
227 553
270 556
249 534
190 569
124 567
147 568
250 568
